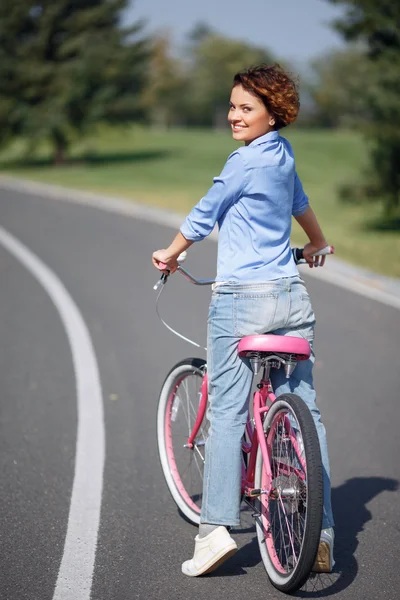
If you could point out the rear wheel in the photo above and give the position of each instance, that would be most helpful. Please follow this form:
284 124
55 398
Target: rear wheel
290 509
177 411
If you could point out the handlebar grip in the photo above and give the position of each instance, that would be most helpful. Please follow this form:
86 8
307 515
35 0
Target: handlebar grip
324 251
181 258
299 257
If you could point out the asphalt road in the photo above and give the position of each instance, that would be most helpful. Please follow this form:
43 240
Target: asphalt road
103 260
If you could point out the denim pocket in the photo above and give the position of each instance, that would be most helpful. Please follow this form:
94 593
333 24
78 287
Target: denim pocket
213 306
254 313
307 310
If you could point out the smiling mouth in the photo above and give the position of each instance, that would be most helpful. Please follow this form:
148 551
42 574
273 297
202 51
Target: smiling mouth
239 127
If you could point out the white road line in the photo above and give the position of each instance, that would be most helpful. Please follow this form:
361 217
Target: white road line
337 272
353 283
76 570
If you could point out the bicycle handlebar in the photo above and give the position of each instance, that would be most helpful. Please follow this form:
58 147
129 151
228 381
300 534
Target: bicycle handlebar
297 255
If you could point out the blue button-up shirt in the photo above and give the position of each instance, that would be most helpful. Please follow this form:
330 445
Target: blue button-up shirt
252 201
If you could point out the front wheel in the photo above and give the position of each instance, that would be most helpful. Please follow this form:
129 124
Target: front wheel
291 503
177 411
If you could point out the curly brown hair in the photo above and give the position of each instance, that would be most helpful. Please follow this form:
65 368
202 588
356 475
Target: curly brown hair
275 88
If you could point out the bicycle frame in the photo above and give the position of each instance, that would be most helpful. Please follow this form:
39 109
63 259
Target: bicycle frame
263 398
287 502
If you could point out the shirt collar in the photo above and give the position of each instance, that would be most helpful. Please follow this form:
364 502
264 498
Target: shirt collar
268 137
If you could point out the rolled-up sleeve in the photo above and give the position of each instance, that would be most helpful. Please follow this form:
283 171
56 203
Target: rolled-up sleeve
226 190
300 200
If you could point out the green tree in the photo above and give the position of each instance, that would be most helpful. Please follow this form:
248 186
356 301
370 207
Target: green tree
376 26
66 65
165 87
214 61
335 91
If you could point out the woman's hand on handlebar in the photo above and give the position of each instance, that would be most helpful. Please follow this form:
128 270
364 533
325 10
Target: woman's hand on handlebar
163 261
310 255
167 260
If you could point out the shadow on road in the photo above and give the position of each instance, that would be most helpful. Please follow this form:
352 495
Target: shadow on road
349 505
351 514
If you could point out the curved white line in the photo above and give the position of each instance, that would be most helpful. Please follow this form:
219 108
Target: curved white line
76 570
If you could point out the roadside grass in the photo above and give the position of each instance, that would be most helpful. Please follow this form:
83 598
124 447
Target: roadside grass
173 169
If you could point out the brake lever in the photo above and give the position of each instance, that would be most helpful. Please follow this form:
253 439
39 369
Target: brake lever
162 280
164 277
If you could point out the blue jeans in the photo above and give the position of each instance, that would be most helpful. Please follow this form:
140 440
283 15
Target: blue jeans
282 307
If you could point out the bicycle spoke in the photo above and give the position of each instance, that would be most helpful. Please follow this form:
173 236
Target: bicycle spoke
287 523
187 414
291 512
186 465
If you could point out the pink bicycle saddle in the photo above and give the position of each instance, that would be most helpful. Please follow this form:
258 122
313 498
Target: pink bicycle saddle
275 344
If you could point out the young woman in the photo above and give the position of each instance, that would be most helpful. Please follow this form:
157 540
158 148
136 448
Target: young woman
257 290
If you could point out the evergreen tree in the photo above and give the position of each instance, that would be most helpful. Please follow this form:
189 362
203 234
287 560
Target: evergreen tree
66 65
166 85
377 26
215 59
338 78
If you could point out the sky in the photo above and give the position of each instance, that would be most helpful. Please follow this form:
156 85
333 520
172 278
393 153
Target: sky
295 30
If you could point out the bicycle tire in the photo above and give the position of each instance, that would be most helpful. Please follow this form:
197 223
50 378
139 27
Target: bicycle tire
289 520
182 467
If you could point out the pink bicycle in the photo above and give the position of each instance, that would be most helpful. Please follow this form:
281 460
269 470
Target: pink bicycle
281 467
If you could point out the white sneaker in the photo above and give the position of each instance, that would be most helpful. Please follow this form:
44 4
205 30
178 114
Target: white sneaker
324 561
210 552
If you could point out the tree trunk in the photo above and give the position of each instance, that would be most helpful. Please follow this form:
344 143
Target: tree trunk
60 148
391 205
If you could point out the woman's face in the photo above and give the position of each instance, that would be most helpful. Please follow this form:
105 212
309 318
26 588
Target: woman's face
248 116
